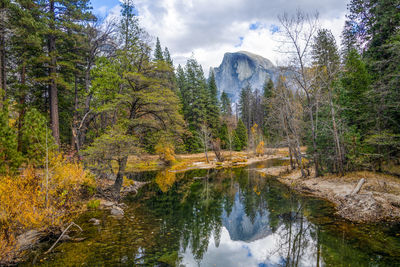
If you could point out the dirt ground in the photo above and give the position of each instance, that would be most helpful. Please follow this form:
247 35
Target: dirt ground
186 162
378 199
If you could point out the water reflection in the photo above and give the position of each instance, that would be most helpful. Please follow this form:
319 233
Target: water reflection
251 235
231 217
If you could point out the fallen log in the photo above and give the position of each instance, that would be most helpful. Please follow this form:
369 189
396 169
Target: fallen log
358 187
63 233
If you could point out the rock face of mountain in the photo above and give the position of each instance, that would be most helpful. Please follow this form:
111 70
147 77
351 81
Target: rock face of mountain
239 69
243 228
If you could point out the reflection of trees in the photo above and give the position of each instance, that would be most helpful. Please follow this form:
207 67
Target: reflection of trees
190 212
296 235
165 179
182 213
192 207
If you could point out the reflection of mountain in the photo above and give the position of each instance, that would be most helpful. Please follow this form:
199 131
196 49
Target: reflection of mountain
240 226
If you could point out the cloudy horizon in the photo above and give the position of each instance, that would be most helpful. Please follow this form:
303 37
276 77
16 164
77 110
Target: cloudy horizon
207 29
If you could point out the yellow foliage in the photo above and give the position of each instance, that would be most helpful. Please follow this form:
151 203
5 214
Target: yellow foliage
260 149
127 182
27 201
254 129
166 151
165 179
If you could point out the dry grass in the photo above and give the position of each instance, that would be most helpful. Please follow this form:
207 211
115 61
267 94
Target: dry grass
147 162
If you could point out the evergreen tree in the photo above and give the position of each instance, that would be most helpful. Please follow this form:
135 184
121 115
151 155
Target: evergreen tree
181 84
223 135
355 82
245 106
10 158
326 63
268 90
213 112
226 106
196 95
241 133
158 54
193 93
134 92
167 57
63 20
4 29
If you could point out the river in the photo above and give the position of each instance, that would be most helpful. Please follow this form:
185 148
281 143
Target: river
227 217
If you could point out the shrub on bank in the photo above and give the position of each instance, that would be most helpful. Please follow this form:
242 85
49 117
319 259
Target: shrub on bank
40 199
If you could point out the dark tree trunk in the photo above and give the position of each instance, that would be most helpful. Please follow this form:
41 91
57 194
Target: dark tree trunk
3 76
314 140
120 177
22 100
53 93
74 128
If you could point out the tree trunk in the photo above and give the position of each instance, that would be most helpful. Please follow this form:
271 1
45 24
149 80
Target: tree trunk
314 140
74 128
3 77
205 152
81 132
53 93
22 100
120 176
339 156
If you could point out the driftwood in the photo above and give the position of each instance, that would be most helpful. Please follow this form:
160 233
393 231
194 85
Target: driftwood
63 233
358 187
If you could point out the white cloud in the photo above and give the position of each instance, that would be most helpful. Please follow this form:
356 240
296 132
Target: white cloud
209 28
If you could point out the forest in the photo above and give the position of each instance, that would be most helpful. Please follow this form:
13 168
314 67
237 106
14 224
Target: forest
80 95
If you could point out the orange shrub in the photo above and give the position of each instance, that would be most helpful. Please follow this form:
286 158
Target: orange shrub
166 151
28 202
260 149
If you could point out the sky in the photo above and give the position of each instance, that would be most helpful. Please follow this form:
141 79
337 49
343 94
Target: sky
206 29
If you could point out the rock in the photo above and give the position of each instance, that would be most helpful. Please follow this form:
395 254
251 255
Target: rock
240 69
122 205
106 203
117 211
28 239
124 259
94 221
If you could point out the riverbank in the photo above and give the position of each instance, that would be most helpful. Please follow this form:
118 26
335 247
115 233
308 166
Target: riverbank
186 162
377 200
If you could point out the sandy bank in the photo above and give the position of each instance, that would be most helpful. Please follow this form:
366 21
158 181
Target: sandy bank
378 199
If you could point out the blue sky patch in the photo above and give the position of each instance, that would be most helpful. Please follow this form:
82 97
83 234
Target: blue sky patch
241 38
274 28
255 26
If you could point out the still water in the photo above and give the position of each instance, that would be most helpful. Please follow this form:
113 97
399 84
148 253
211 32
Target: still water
229 217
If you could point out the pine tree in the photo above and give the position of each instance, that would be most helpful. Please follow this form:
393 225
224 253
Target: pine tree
245 106
196 95
241 133
158 54
64 20
181 84
223 135
137 96
268 90
10 158
355 83
226 106
26 47
213 111
167 57
4 28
